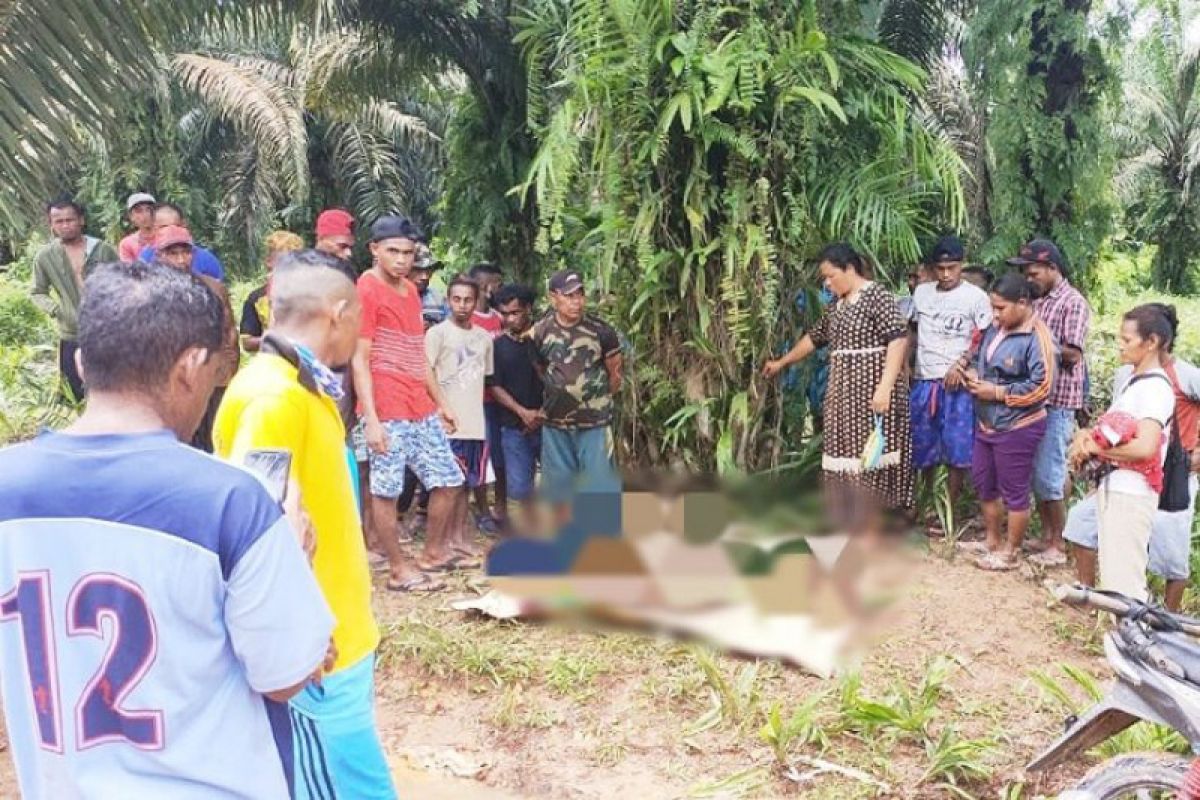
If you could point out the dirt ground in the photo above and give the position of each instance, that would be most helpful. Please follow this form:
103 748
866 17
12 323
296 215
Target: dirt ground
475 709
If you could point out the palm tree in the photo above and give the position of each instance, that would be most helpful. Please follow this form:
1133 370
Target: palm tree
1160 133
303 113
67 65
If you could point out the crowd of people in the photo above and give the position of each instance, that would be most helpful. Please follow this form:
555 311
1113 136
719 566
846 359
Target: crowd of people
389 398
230 639
986 377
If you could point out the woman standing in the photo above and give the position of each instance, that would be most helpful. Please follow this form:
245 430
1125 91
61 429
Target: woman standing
1127 497
866 337
1011 379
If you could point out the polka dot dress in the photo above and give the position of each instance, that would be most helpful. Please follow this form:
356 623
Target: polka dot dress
858 332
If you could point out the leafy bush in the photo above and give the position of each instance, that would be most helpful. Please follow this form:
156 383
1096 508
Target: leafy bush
21 322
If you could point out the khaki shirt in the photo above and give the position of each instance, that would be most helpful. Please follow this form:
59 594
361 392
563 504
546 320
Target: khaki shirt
52 270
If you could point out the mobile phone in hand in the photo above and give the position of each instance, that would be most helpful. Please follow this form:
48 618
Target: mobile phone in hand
273 467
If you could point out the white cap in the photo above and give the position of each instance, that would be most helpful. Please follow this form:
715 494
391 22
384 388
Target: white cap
137 198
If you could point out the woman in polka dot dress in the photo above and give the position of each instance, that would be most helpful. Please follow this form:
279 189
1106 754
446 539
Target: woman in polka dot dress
866 337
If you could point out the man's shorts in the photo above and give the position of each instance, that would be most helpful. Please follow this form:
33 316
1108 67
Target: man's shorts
943 425
421 446
472 458
335 743
522 451
1170 536
1050 465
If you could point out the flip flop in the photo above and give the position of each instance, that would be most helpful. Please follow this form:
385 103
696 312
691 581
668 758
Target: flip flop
418 585
1049 558
376 561
993 562
977 548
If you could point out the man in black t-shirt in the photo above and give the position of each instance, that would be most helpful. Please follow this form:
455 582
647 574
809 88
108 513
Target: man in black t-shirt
517 387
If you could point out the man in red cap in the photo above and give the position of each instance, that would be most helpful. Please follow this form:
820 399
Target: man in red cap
173 247
335 233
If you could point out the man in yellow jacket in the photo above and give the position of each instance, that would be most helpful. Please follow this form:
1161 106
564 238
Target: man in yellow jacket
286 398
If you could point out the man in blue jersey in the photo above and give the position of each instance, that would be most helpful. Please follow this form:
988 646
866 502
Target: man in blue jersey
152 599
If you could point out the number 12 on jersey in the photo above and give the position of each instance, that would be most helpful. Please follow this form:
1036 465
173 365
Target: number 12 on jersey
99 717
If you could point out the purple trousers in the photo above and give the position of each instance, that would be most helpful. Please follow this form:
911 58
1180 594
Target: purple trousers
1002 464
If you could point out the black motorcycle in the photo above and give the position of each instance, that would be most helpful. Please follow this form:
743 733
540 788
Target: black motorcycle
1157 663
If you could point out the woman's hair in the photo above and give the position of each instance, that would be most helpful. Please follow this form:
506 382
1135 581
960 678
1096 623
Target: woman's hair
1013 287
842 256
283 242
1155 319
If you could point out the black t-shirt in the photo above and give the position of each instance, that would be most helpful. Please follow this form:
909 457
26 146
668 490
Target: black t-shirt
515 373
252 323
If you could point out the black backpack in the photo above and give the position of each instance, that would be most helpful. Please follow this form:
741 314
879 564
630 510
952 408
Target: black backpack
1176 466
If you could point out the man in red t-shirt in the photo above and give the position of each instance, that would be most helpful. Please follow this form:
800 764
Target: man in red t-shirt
139 208
401 401
490 520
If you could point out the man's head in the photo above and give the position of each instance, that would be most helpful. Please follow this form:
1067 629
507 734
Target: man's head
66 219
515 304
139 208
1043 264
946 262
423 268
394 245
278 243
462 294
979 276
918 274
166 215
335 233
489 277
173 246
313 299
149 331
567 296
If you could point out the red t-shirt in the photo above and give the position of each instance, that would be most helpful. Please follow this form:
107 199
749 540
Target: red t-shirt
1187 413
493 323
392 322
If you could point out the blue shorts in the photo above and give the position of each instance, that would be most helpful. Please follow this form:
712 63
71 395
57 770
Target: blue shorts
472 458
1050 464
421 446
335 743
576 461
491 416
943 425
1170 535
522 451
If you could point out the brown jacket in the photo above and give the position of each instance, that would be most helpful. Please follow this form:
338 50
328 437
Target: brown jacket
230 354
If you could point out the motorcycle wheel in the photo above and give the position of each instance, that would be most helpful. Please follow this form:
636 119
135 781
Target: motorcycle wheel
1134 776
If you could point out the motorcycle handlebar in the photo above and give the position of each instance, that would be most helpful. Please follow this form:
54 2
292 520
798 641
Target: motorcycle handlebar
1121 606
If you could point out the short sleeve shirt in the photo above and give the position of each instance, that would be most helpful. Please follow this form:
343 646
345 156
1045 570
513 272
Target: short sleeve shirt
577 393
392 321
1146 398
461 361
516 373
946 323
256 312
1067 315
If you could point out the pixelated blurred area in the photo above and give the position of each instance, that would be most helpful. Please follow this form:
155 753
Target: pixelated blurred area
750 567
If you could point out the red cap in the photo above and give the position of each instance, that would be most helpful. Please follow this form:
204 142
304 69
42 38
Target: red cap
172 235
335 222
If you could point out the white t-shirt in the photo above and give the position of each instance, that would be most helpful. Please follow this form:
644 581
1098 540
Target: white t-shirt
946 321
1147 398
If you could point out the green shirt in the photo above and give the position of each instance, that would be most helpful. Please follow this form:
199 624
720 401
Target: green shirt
577 389
52 270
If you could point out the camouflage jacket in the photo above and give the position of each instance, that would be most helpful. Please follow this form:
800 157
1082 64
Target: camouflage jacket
577 390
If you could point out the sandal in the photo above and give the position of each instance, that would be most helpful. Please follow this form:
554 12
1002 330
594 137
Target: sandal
419 584
1049 558
376 561
994 562
974 548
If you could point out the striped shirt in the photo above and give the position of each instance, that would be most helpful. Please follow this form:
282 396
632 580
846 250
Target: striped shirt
392 322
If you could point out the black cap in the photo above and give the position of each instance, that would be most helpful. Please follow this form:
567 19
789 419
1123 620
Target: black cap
425 259
948 248
394 228
566 281
1039 251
